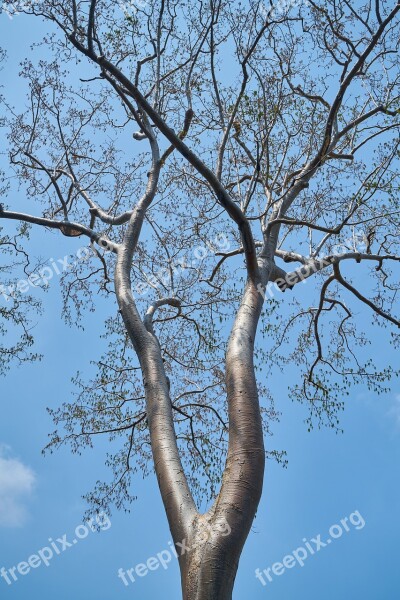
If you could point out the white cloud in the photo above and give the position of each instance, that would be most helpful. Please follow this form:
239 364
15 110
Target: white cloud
16 484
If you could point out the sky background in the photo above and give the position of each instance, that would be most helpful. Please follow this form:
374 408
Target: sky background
328 477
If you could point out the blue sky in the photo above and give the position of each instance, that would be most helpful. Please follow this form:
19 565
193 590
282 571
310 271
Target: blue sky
328 478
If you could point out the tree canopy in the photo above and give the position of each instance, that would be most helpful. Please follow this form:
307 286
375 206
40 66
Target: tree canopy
214 155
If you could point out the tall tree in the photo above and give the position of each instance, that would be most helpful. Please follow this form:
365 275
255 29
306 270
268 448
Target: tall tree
180 138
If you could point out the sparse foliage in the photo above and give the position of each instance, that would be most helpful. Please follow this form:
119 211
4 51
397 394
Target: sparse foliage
206 151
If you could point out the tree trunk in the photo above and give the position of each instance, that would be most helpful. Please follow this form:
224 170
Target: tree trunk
209 560
209 576
208 546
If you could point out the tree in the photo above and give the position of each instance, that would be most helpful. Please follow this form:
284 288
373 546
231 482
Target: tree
271 134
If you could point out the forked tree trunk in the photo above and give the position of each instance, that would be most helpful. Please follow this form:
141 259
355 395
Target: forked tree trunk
215 540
